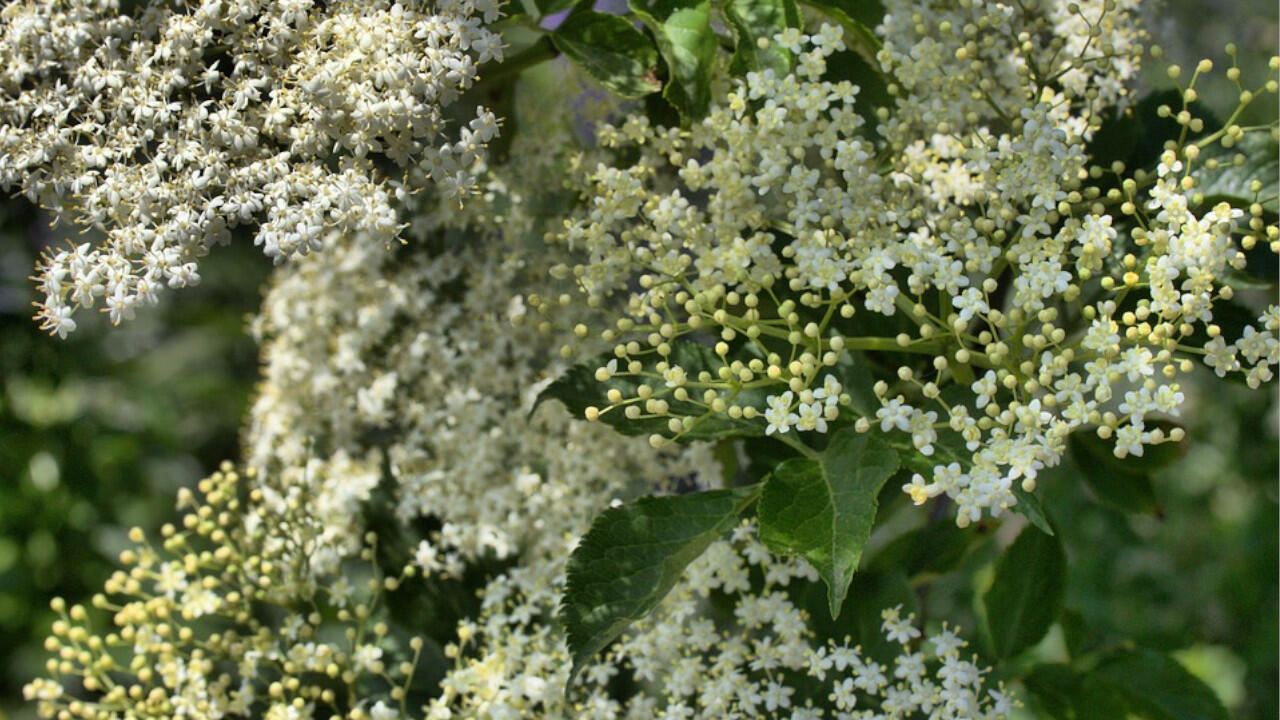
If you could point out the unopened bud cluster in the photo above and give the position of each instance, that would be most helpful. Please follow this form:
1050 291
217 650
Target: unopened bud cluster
188 635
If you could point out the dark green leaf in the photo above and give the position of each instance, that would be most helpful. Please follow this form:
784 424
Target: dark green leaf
1261 270
1026 595
1100 701
1232 317
1097 456
868 13
764 455
632 556
1255 157
934 548
854 372
869 594
578 389
1123 484
1137 134
859 620
726 453
1153 686
1126 492
859 19
756 20
1076 633
1061 693
682 29
873 91
612 50
823 509
1055 688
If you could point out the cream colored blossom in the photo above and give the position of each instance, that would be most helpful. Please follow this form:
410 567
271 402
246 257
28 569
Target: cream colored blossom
167 129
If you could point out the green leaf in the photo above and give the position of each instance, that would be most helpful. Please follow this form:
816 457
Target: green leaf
683 31
764 455
611 50
823 509
854 372
873 93
1137 134
1125 491
1060 692
1029 507
935 548
1076 633
1123 483
753 20
1259 159
869 594
632 556
1154 686
578 389
1055 688
1026 595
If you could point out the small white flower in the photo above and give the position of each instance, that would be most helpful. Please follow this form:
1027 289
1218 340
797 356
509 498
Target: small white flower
811 417
779 413
830 391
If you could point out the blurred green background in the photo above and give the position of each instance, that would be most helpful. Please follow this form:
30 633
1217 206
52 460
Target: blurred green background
98 431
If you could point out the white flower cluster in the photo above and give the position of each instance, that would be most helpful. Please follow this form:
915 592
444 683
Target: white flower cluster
426 361
1043 302
815 408
758 659
169 127
463 450
401 378
958 66
410 358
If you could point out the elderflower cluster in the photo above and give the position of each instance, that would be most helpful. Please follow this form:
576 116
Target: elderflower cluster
188 615
757 657
958 66
465 451
396 379
169 127
1042 295
405 366
414 369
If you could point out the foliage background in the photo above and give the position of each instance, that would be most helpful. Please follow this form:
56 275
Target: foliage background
97 432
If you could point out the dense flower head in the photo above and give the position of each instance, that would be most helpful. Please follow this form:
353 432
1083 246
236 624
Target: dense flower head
418 367
759 658
188 614
958 66
166 129
1042 300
